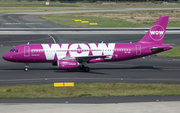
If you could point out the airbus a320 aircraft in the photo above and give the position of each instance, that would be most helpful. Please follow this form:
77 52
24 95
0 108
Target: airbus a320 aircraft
77 55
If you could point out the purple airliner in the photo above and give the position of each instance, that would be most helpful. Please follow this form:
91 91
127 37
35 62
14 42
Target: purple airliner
77 55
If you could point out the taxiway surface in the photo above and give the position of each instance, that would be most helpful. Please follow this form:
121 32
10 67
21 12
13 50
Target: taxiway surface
150 69
33 20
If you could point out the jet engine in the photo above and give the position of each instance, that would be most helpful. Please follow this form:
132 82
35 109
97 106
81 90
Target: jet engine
67 64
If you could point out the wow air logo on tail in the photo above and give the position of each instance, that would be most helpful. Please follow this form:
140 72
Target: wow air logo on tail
157 32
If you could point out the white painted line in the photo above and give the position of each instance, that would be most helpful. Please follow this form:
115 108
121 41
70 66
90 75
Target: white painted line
11 23
127 29
19 23
71 32
80 32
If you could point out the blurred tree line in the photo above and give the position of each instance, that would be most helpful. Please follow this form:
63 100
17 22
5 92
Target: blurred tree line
105 0
70 1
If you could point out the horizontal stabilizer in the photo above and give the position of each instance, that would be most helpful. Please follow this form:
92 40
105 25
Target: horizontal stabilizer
161 48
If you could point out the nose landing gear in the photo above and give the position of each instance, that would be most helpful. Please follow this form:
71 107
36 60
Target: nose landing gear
26 67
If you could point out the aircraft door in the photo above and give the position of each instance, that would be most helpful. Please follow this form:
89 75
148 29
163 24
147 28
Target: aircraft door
138 49
26 51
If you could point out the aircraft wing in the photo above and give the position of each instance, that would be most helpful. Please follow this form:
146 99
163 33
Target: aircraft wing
95 56
86 58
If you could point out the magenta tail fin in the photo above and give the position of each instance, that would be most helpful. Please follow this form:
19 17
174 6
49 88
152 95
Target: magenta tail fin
157 31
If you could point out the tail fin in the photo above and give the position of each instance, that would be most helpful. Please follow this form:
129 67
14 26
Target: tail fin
157 31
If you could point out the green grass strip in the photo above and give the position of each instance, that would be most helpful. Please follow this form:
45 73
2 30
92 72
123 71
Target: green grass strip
121 19
89 90
68 20
175 52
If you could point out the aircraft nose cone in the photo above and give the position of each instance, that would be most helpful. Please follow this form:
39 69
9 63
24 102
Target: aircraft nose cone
6 56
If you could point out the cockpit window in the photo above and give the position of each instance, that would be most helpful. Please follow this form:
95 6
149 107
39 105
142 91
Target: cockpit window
13 50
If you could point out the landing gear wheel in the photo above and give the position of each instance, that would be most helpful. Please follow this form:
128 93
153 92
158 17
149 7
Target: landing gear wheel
26 69
86 69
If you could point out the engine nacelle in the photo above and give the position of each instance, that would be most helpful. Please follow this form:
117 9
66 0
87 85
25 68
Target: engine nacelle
67 64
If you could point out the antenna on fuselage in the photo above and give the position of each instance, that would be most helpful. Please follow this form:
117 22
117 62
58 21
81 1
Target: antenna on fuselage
28 43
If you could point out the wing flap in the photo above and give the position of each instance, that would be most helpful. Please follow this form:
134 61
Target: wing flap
81 59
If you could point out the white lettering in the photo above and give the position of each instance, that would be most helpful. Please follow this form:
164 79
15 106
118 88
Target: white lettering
156 32
60 50
103 46
51 53
78 50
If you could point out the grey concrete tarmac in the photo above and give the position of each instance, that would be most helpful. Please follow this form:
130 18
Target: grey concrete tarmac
93 100
26 21
105 10
152 69
144 107
149 70
14 40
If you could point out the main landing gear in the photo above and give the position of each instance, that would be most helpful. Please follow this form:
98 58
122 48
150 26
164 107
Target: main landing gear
86 69
26 67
